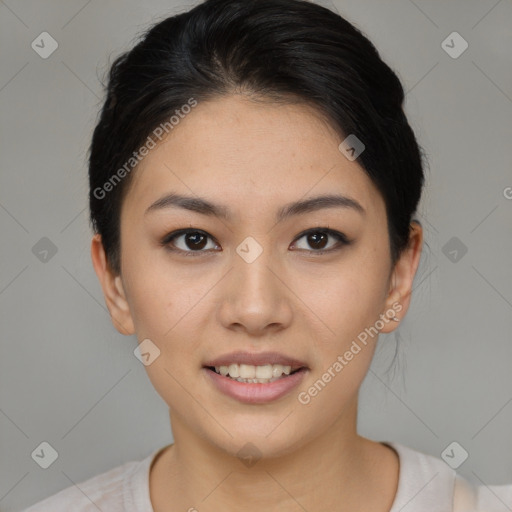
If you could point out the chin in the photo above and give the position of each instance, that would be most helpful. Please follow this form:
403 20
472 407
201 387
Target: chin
258 441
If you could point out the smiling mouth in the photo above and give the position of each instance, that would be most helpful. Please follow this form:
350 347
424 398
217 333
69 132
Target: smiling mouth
251 374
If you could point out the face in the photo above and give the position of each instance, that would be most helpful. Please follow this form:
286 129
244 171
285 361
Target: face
254 276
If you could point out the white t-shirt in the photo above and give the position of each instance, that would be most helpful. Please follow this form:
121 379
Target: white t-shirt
425 484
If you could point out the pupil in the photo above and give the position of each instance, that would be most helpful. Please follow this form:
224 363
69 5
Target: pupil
316 243
196 243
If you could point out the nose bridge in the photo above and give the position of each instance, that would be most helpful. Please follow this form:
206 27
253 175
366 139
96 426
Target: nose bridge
255 297
252 266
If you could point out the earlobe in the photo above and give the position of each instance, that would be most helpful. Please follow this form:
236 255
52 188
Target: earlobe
113 290
399 296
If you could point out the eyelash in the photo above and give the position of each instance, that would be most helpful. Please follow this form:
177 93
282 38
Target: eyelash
340 237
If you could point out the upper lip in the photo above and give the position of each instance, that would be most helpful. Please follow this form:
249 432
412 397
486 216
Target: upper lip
255 359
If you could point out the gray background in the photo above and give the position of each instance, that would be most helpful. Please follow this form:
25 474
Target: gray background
68 378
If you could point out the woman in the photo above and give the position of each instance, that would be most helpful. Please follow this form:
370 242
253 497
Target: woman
253 186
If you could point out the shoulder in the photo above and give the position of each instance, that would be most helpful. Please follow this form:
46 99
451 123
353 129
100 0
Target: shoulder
481 498
103 491
428 483
116 490
494 498
425 482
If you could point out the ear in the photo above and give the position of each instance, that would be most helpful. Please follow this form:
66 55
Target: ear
113 290
400 289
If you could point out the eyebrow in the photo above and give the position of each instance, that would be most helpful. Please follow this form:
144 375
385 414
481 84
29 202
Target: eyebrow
205 207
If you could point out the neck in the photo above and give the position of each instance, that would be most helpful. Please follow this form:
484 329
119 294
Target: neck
333 471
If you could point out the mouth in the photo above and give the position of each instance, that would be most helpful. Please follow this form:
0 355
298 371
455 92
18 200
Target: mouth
251 374
255 378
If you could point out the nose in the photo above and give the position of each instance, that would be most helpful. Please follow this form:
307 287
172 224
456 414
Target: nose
255 297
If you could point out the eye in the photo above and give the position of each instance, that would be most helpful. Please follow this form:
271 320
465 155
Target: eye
318 238
192 241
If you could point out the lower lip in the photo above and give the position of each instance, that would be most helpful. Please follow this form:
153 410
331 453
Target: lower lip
255 393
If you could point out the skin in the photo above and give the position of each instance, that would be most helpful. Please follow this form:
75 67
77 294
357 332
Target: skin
254 158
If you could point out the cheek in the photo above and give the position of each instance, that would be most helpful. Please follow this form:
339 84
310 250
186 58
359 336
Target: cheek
349 296
156 294
349 306
162 308
169 306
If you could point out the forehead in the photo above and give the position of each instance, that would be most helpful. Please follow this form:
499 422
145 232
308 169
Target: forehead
239 151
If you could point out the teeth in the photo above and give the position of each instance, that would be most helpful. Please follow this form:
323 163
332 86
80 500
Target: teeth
265 372
234 370
278 370
247 371
254 374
